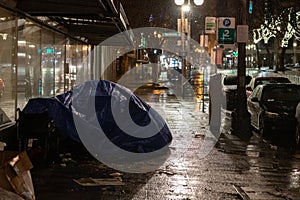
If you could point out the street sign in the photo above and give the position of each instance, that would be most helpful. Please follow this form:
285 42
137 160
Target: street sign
210 25
226 30
172 34
226 35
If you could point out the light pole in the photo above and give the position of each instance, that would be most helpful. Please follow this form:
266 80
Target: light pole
184 27
241 118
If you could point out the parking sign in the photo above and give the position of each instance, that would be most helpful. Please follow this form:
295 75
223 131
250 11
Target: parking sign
226 30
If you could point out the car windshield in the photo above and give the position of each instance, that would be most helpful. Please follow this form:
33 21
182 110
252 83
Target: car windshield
275 94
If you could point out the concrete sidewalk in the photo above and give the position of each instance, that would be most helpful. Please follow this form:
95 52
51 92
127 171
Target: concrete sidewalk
232 167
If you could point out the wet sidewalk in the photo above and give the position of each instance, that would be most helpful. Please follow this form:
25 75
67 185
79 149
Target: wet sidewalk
232 169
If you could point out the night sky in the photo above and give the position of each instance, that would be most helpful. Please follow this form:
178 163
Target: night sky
165 14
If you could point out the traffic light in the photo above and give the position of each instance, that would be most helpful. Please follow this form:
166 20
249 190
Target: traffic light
235 53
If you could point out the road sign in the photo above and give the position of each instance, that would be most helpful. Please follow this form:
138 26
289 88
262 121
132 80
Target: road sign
226 22
226 30
226 35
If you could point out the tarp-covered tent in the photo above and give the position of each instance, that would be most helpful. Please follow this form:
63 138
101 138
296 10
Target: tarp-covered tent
104 96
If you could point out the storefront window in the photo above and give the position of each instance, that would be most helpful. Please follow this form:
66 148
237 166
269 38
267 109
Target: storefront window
32 65
35 62
7 66
59 51
48 63
77 64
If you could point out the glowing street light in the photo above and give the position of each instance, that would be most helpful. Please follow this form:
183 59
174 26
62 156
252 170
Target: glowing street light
196 2
186 8
184 26
179 2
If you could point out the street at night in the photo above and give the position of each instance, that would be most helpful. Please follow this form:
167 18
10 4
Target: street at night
149 100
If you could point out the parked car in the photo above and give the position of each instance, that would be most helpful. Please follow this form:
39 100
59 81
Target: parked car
297 131
265 78
272 109
229 89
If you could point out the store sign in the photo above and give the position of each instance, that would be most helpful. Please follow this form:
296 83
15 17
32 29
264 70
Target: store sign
172 34
210 25
226 30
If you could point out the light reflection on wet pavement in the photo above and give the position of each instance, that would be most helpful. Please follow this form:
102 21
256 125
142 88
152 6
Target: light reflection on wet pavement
232 167
260 170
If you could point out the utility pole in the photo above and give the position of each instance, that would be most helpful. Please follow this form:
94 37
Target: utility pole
241 118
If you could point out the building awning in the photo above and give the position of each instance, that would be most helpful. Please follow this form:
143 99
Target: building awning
91 21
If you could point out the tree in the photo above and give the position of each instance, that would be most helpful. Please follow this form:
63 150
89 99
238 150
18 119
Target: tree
279 24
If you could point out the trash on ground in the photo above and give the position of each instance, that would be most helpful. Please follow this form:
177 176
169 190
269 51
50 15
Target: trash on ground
166 171
198 135
15 173
116 174
7 195
2 145
99 181
297 156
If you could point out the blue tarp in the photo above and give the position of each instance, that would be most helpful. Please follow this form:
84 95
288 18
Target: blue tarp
105 95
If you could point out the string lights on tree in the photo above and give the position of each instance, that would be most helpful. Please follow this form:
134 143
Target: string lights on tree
271 27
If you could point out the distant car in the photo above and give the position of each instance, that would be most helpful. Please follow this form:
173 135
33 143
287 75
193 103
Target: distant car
289 65
272 109
1 87
259 80
229 89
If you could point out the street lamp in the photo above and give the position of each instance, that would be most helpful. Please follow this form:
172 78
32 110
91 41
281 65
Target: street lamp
186 8
185 28
196 2
179 2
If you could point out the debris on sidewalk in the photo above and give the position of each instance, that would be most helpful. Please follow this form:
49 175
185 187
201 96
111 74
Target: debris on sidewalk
241 192
2 145
167 171
99 181
15 174
115 174
7 195
297 156
198 135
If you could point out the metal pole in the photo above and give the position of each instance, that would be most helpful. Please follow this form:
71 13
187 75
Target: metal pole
183 41
242 117
183 51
